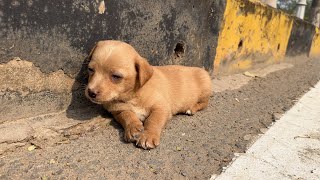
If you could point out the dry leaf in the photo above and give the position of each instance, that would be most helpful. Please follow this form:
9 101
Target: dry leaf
31 148
102 7
153 170
249 74
64 142
52 161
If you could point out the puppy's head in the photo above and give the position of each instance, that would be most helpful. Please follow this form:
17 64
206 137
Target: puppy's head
115 70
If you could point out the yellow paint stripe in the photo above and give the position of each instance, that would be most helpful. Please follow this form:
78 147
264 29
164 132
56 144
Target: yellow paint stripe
315 47
252 34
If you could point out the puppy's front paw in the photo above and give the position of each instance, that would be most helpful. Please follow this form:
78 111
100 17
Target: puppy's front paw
133 131
148 140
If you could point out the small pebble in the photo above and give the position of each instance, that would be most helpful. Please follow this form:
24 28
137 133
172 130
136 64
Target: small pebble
276 116
58 172
52 161
247 137
263 130
214 176
226 159
31 148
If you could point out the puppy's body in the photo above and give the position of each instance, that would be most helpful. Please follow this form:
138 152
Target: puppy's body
179 89
148 95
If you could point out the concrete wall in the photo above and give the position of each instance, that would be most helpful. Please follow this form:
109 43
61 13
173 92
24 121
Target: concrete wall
315 47
301 36
58 34
44 44
252 35
53 38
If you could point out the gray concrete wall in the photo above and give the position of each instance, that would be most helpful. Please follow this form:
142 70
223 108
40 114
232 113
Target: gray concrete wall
58 34
53 38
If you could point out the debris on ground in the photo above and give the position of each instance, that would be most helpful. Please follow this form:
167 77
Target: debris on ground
249 74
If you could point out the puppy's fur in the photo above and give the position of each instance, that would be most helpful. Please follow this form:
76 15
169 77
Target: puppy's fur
141 97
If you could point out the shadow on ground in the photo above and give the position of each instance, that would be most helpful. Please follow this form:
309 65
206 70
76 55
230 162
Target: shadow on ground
80 107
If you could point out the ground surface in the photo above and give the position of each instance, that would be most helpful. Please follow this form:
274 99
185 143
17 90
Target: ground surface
290 149
191 147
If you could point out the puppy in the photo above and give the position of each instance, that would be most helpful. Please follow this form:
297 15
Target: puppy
141 97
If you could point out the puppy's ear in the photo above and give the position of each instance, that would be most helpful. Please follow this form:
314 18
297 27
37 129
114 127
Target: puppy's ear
91 52
144 70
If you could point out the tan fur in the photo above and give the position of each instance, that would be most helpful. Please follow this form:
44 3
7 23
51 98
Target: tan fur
145 97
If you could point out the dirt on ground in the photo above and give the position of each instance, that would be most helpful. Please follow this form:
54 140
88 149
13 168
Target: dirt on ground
192 147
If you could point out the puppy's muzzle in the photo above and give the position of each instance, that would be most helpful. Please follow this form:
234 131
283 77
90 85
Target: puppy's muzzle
92 94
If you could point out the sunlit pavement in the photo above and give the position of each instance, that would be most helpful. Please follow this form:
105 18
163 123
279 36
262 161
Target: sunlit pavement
290 149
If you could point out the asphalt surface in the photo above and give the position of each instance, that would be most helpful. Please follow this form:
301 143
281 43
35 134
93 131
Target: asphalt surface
192 147
289 150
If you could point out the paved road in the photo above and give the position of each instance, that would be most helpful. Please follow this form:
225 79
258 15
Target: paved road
289 150
191 147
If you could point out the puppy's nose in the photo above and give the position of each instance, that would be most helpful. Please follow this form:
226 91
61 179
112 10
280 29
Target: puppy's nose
92 93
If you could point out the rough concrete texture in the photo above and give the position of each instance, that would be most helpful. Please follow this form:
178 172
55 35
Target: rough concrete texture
235 81
252 34
49 50
48 129
191 147
24 78
289 150
57 35
301 37
26 91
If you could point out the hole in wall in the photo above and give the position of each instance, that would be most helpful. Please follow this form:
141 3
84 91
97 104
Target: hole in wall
240 44
278 48
179 50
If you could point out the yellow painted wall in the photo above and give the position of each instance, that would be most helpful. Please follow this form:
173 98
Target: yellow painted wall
315 47
252 34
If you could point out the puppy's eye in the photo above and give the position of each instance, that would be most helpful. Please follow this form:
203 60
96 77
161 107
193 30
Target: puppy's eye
91 70
116 77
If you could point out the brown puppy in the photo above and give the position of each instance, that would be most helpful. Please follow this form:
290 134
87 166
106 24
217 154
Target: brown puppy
141 97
